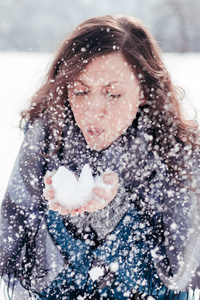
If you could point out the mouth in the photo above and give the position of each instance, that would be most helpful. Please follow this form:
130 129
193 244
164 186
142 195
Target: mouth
93 131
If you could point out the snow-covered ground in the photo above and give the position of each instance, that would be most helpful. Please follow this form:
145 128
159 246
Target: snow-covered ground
22 73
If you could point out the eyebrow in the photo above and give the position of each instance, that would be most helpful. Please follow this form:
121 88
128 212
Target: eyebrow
109 84
81 82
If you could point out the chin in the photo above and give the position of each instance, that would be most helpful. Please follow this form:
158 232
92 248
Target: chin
97 146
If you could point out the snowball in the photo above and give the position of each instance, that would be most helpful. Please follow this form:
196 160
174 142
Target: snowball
72 192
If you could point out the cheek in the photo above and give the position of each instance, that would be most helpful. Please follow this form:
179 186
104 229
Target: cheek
77 112
132 110
125 114
126 109
79 116
76 108
132 105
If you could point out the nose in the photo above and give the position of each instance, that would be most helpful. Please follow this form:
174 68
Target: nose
96 107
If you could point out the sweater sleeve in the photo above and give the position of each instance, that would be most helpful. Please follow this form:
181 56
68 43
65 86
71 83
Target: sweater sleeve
22 204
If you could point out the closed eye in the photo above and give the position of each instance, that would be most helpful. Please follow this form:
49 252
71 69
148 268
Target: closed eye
81 92
109 95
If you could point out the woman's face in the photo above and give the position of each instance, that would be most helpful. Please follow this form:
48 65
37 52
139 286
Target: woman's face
104 100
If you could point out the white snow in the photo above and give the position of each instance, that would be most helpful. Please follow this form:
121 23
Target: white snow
114 266
20 75
72 192
95 273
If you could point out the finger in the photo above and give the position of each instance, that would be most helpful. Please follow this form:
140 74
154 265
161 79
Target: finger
48 180
91 207
54 206
63 211
73 212
111 178
49 194
100 192
87 205
80 210
48 177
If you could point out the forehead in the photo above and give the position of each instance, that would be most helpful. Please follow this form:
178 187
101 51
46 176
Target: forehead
106 68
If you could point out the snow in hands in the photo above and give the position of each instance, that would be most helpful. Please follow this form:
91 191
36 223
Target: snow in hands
71 192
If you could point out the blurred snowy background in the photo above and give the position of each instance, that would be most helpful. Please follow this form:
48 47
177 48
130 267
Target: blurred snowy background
29 25
31 30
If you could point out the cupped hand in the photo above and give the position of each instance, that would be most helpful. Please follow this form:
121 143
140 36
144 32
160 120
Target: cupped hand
102 197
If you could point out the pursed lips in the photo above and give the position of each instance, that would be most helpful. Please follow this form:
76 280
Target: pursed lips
94 131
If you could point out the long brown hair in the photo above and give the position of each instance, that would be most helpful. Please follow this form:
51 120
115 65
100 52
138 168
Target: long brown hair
101 35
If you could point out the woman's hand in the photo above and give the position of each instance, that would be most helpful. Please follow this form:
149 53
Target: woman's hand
103 196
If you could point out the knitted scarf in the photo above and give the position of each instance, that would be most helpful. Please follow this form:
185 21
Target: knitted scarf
143 173
143 178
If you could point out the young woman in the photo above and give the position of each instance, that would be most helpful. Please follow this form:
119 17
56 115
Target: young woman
108 101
